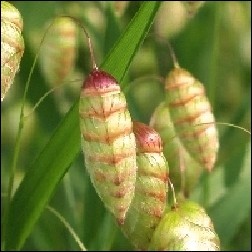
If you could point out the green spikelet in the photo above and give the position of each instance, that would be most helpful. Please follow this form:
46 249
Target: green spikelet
108 142
184 171
148 205
189 107
185 228
58 52
12 45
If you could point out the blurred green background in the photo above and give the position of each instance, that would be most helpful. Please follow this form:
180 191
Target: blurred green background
214 44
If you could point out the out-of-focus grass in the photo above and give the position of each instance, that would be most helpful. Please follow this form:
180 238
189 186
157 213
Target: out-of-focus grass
214 45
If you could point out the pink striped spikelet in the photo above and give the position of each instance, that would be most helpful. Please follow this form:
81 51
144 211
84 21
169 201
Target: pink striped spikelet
184 171
58 52
108 142
149 202
12 45
189 106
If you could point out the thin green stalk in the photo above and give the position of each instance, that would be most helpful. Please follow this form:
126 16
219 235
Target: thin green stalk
173 193
70 194
68 227
16 153
215 123
234 126
41 99
17 143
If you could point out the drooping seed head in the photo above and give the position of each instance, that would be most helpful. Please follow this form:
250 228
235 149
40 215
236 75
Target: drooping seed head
186 227
149 202
12 45
184 171
59 50
192 117
108 142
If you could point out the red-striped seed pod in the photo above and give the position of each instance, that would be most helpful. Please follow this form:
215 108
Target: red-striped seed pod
186 227
108 141
58 52
149 202
184 171
192 116
12 45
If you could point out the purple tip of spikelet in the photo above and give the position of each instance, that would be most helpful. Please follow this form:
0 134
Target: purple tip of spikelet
100 82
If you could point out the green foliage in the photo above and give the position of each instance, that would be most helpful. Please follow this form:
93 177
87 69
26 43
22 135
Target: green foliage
214 46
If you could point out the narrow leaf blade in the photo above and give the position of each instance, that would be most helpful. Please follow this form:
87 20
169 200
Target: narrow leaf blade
40 181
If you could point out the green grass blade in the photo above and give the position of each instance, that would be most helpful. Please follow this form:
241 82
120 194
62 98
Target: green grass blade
233 208
126 46
52 163
41 180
